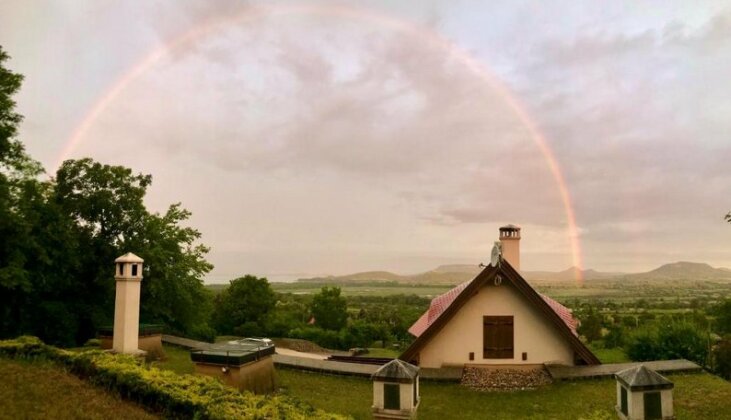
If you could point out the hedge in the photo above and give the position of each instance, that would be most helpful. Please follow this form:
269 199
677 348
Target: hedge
174 395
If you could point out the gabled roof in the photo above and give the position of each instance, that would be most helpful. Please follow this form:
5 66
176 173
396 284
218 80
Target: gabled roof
443 307
396 371
642 378
129 258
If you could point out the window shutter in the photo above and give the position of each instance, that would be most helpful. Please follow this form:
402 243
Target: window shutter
498 337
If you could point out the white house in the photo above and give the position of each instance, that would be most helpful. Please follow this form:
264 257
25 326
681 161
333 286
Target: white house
497 319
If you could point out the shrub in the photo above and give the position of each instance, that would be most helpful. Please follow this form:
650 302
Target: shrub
324 338
674 340
176 396
722 358
203 332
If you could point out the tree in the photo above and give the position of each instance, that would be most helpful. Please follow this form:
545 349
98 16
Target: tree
58 239
106 204
722 324
330 309
245 304
591 325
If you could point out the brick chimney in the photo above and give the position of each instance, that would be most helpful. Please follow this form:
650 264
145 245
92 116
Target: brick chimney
510 241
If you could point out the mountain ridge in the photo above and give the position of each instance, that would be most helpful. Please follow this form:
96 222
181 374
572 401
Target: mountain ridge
458 273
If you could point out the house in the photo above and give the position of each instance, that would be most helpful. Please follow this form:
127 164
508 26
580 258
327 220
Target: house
497 319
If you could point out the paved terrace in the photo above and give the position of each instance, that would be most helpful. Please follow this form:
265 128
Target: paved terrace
602 371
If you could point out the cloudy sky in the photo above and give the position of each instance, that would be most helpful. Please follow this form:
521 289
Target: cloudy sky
316 138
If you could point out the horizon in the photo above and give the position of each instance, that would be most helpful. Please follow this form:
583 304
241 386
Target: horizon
345 137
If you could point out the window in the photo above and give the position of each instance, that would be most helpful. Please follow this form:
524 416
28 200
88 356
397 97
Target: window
121 269
653 405
391 396
623 399
134 269
497 337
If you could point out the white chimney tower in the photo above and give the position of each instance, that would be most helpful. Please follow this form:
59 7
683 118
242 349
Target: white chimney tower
510 241
128 278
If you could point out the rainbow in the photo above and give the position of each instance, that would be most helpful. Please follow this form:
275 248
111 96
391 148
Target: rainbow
252 13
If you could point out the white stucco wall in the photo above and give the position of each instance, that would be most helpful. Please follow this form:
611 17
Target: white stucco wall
406 395
636 404
533 333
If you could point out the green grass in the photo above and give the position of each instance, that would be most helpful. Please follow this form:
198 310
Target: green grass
177 359
40 390
697 396
610 355
382 352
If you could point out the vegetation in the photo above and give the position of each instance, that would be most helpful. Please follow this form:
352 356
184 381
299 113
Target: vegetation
696 396
244 306
61 236
43 390
173 395
330 309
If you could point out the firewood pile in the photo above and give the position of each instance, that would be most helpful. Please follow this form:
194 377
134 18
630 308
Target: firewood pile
491 379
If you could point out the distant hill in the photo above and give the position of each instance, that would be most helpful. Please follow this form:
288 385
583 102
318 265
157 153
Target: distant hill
458 273
569 275
683 270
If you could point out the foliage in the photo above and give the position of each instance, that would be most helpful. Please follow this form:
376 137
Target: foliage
59 237
330 309
243 307
722 358
591 326
178 396
722 324
673 340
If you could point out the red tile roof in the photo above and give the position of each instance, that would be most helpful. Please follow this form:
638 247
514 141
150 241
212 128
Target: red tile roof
440 303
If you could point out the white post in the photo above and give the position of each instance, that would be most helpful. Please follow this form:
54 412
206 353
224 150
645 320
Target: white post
128 279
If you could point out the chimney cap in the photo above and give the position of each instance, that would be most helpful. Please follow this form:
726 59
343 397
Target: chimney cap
510 227
129 258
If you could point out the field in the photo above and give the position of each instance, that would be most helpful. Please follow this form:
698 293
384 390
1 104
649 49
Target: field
697 396
44 391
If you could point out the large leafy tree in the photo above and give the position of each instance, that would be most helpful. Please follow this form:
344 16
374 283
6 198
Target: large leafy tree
58 240
106 203
330 309
20 195
244 306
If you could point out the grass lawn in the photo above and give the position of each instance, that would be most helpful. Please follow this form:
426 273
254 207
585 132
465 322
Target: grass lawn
697 396
40 390
177 359
616 355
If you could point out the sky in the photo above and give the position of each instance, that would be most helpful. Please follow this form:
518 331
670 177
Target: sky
314 138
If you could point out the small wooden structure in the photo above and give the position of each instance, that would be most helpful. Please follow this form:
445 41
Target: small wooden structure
643 393
395 391
246 366
128 278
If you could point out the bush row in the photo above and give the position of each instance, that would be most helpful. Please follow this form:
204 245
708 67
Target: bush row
176 396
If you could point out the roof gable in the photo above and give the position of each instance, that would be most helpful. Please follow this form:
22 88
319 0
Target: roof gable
444 306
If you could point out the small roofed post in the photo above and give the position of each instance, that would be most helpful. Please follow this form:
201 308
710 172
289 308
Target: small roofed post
395 391
510 244
643 393
128 279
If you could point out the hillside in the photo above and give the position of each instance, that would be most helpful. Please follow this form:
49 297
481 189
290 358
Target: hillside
457 273
683 270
